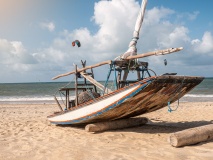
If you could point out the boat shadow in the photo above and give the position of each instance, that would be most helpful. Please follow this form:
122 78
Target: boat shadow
155 127
152 127
164 127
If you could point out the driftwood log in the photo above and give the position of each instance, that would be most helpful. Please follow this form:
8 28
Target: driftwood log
116 124
191 136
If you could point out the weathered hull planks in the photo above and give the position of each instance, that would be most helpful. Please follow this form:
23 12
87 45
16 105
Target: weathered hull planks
151 97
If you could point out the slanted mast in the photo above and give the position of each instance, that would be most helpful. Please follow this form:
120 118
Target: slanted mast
132 50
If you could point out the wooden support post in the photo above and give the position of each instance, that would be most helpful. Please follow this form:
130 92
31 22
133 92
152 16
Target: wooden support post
191 136
84 65
76 86
142 75
139 75
126 72
58 103
93 78
67 98
119 78
116 124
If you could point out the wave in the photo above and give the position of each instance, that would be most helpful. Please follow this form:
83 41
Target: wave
30 99
50 99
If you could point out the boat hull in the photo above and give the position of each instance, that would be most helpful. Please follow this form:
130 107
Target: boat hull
141 97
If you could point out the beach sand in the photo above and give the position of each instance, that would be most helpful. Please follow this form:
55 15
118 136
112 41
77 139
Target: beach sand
25 134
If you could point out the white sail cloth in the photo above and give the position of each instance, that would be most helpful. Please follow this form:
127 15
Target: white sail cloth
132 50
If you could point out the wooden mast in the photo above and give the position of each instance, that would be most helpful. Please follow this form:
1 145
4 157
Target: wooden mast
132 50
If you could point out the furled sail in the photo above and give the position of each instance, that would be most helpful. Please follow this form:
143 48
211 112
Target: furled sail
132 50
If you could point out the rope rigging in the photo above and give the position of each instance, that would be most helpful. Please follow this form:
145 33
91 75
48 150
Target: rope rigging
177 90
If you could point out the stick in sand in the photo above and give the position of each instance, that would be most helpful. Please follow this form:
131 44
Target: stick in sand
191 136
116 124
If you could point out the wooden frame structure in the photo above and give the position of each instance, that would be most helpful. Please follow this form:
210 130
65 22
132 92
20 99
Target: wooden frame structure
78 87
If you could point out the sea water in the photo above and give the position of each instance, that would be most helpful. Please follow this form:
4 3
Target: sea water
44 92
202 92
29 92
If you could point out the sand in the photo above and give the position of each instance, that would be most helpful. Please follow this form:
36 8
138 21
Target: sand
26 134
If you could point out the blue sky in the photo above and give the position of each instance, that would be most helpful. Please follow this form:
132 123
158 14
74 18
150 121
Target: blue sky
36 36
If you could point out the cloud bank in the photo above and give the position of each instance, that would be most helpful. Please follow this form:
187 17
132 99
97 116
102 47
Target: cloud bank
115 21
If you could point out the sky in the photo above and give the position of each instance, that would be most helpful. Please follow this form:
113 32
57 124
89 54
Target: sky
36 36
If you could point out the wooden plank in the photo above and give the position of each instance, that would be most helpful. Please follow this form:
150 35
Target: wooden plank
93 81
93 78
159 52
83 69
73 89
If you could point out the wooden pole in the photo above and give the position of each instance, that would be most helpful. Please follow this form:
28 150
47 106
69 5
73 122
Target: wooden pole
116 124
126 72
84 65
139 75
93 78
191 136
93 81
83 69
118 79
159 52
58 103
67 98
76 86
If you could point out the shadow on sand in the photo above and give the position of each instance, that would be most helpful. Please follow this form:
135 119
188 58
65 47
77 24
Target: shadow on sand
153 127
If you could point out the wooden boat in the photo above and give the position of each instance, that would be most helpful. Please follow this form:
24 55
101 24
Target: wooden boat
141 97
129 98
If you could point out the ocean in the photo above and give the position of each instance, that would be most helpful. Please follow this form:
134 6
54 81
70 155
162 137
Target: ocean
43 92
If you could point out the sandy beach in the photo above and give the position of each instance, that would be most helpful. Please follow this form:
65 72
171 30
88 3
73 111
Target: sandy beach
26 134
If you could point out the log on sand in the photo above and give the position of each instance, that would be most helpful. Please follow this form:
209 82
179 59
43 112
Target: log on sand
116 124
191 136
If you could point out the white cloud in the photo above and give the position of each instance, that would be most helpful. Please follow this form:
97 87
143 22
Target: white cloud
48 25
175 38
13 52
156 15
193 16
189 16
115 32
49 55
116 20
205 45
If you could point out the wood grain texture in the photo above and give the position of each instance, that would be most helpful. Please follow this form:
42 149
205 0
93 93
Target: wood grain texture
192 136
